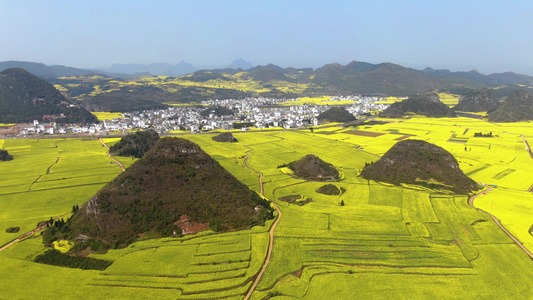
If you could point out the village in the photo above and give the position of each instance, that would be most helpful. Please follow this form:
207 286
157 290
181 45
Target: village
248 113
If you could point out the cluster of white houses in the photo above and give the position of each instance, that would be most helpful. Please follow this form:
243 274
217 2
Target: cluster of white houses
249 112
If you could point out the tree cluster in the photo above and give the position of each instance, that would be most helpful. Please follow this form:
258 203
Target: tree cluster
330 189
225 137
311 167
56 258
135 144
4 155
241 125
336 114
481 134
12 229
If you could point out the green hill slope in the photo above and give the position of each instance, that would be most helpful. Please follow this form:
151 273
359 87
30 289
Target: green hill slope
420 162
25 97
477 101
427 104
336 114
174 178
135 144
311 167
518 107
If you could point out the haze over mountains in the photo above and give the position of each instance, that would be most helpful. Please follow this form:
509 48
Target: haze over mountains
166 69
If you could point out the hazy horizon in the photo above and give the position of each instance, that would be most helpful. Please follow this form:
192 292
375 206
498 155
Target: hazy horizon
487 36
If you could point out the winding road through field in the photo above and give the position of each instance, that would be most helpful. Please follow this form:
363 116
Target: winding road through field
471 203
111 156
270 232
4 247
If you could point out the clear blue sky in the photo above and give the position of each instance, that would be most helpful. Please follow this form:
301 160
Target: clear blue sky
487 35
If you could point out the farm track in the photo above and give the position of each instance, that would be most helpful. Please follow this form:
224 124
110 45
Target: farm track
471 203
270 232
47 172
530 155
111 156
20 238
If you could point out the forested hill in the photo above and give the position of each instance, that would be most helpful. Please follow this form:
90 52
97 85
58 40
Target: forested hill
25 97
477 101
517 107
173 179
420 162
427 104
336 114
135 144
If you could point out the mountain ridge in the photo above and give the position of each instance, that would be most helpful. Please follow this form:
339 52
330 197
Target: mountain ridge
272 81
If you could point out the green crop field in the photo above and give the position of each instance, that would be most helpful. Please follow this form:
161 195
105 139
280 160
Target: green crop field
47 177
385 242
106 115
323 100
432 243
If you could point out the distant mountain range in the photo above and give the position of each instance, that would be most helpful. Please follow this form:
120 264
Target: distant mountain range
116 70
240 64
42 70
113 89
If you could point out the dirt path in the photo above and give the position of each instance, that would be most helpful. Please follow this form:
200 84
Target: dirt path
20 238
471 203
527 147
270 232
111 156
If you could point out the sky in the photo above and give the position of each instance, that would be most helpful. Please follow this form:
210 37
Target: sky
489 35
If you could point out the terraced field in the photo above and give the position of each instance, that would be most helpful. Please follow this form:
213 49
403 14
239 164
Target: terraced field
432 244
385 241
47 177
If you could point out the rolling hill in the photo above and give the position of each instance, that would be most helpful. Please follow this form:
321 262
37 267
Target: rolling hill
477 101
24 97
311 167
135 144
427 104
336 114
422 163
173 179
517 107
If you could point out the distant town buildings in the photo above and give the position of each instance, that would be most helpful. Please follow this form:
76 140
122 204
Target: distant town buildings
249 112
